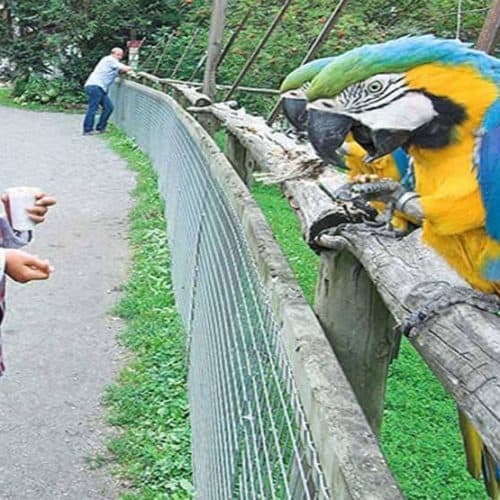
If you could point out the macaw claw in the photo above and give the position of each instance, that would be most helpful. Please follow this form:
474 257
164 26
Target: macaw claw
381 190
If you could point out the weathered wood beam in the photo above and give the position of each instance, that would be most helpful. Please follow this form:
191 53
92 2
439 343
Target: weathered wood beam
359 327
188 96
214 46
275 152
460 345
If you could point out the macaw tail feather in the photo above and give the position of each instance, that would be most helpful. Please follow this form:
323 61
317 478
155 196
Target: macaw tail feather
491 475
473 446
490 260
479 459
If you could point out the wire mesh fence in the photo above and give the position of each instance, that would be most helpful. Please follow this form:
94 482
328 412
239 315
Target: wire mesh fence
250 436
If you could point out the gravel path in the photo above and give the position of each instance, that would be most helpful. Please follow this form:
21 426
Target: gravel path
59 338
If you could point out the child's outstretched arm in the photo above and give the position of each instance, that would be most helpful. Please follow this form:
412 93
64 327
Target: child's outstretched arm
23 267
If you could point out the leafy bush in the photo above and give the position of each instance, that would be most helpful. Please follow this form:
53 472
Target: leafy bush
42 90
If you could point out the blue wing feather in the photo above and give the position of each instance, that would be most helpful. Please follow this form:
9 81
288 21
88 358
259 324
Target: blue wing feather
488 174
402 161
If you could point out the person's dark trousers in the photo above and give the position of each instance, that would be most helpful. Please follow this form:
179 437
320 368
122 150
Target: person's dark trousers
97 97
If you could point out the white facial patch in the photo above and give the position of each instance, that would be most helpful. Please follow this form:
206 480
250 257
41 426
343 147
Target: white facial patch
381 102
408 112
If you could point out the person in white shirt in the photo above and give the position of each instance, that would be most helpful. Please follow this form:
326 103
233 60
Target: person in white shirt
97 86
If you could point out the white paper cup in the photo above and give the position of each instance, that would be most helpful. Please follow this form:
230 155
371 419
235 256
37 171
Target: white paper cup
21 198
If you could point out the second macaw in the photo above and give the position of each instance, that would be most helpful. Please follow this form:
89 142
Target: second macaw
396 166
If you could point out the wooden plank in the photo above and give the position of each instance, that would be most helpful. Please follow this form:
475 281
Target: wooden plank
275 152
214 46
359 327
461 345
191 97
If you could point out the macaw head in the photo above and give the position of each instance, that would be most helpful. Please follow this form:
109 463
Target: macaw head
293 91
410 91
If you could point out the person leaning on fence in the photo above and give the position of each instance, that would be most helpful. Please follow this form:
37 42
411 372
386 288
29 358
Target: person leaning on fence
18 265
96 87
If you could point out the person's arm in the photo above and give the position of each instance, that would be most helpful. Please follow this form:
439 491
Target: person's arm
23 267
125 69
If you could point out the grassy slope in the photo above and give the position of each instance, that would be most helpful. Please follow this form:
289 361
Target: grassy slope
419 436
149 401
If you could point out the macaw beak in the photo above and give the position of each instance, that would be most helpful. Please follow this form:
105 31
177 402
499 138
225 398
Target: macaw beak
387 141
379 143
294 108
327 132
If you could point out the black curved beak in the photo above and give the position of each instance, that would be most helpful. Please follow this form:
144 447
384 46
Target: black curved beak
294 109
386 141
379 143
327 132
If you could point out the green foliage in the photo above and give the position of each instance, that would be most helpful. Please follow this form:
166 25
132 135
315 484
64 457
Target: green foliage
68 37
58 91
362 21
149 401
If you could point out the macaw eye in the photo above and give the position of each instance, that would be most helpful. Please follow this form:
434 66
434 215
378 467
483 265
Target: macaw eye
375 86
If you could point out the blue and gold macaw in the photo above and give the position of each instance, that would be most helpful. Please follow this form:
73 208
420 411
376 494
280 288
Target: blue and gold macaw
440 100
395 166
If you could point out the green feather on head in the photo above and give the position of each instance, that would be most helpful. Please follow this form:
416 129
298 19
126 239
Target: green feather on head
304 74
395 56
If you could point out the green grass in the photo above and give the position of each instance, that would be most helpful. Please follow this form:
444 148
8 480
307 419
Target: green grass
149 401
420 437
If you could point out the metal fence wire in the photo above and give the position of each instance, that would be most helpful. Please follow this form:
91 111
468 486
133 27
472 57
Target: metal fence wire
250 436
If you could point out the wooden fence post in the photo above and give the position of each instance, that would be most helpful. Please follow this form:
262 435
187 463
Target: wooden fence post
359 328
214 46
239 158
491 28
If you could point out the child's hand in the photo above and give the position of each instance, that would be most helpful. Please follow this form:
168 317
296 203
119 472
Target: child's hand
42 204
23 267
38 211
